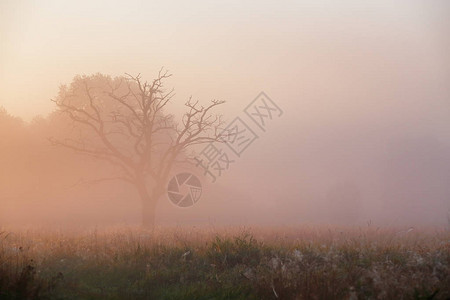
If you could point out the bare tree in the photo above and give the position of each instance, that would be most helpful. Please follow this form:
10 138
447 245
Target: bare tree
122 121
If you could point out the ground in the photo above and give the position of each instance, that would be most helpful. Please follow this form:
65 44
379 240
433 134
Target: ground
225 263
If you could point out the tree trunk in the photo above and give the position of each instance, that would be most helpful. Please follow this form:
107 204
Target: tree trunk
148 213
149 201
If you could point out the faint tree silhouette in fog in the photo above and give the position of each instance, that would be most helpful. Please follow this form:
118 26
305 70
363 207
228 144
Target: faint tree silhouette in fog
122 122
416 178
344 202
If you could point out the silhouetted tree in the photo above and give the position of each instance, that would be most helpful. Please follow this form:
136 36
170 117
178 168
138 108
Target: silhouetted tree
122 122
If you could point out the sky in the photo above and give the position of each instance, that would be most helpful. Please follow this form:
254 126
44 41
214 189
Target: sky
229 50
354 78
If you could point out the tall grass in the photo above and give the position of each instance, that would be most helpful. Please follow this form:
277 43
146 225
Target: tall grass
225 263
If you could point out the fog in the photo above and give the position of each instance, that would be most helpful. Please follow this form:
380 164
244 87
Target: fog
364 134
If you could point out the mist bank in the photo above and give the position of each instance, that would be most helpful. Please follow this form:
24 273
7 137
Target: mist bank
346 177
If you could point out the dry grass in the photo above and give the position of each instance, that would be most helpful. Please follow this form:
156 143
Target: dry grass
225 263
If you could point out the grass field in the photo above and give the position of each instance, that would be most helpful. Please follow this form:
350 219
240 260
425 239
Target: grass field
227 263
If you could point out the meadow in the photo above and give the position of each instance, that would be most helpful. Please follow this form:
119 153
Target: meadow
225 263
